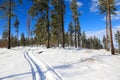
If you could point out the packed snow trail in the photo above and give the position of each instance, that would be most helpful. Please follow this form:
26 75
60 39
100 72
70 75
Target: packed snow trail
40 71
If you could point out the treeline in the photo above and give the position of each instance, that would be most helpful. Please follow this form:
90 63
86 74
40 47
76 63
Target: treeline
85 42
91 43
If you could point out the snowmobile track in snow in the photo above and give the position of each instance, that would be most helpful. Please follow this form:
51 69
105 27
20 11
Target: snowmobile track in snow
40 71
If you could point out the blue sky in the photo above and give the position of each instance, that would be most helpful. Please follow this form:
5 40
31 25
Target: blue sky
90 19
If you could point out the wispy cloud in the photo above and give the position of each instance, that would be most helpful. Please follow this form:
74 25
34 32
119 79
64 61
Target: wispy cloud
79 4
117 2
116 17
94 6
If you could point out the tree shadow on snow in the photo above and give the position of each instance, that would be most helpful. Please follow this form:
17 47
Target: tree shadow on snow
15 75
63 66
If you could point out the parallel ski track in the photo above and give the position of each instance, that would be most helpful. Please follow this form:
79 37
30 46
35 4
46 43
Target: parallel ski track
40 70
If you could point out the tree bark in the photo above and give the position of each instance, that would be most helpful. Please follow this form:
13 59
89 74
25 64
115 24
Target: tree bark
110 27
107 36
9 27
48 36
75 38
63 34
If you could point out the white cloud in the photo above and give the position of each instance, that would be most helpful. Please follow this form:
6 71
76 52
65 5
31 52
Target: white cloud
79 4
116 17
117 2
94 6
68 0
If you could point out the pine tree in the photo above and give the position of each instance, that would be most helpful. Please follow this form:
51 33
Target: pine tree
71 31
40 32
78 33
14 41
41 9
28 28
16 24
7 9
75 15
5 34
62 3
107 36
104 42
56 29
58 24
84 40
93 43
67 40
22 40
108 7
117 37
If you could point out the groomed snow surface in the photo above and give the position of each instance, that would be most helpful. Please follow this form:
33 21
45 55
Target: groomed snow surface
39 63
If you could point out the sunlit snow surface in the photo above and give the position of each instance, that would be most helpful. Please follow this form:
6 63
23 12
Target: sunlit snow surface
39 63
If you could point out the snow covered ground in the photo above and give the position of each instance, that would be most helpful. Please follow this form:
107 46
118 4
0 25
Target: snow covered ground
13 65
39 63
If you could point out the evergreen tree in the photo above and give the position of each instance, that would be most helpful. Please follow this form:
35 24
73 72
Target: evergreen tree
71 31
97 43
56 30
62 4
67 40
107 35
117 37
40 9
16 24
78 33
104 42
108 7
22 40
84 40
75 15
3 40
28 28
40 32
5 34
7 9
93 43
14 41
58 24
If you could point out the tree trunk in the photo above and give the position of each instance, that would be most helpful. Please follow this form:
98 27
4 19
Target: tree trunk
9 26
71 39
78 39
119 48
63 34
107 36
75 38
110 27
79 35
17 38
48 36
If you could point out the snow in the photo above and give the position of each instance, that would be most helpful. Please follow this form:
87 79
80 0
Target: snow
13 65
39 63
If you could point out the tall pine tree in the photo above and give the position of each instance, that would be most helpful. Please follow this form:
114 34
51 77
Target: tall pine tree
41 9
71 31
108 7
75 15
7 9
